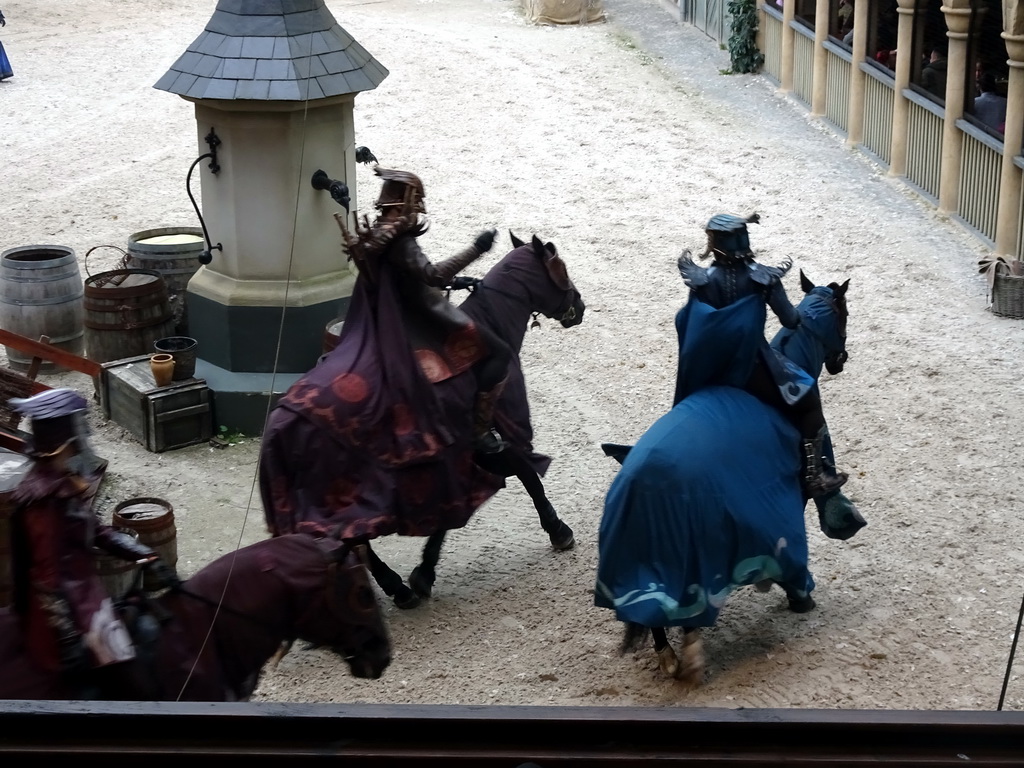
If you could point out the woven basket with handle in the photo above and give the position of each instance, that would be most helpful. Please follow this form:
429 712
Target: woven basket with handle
1005 285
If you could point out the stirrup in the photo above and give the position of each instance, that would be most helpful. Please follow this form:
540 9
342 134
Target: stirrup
489 442
823 483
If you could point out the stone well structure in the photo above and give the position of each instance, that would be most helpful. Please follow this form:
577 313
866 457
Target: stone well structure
275 81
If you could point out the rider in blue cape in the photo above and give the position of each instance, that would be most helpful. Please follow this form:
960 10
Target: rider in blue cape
5 63
722 342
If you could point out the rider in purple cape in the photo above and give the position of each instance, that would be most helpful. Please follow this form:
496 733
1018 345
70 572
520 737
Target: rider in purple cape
374 393
721 339
445 340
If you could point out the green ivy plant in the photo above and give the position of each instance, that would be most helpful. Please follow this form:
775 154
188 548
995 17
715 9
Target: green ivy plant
743 40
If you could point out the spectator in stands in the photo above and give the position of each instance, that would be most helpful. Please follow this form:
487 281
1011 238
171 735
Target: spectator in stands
845 19
989 106
887 58
933 75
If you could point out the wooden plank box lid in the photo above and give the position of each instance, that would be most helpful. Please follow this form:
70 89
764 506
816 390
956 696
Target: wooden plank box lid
161 418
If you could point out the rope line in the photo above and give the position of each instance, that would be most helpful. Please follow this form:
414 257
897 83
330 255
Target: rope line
273 381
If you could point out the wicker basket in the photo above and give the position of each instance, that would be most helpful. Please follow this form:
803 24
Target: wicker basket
1008 296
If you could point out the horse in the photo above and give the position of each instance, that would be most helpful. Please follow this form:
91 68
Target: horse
219 628
336 462
709 500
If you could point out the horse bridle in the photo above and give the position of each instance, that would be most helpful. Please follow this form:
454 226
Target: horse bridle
569 300
835 357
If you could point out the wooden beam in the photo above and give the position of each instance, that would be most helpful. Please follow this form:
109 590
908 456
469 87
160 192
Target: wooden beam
51 353
414 736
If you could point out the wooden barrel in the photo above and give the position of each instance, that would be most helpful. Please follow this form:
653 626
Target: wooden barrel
153 520
174 253
41 295
116 574
126 311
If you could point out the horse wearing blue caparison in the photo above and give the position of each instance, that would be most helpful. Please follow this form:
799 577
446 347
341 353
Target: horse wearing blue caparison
710 499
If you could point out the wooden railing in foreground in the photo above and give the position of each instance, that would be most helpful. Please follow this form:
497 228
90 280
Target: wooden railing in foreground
354 736
49 352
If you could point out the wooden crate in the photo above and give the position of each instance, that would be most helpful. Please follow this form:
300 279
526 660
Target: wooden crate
161 418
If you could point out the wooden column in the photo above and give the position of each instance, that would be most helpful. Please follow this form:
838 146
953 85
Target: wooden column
1008 213
958 22
819 85
855 116
786 64
901 107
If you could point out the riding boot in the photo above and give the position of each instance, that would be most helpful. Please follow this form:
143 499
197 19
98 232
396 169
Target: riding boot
818 482
485 439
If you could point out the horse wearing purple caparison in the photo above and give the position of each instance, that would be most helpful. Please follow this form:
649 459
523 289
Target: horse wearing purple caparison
377 438
268 594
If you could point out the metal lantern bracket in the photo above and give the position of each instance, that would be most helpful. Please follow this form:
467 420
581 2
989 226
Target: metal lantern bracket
213 141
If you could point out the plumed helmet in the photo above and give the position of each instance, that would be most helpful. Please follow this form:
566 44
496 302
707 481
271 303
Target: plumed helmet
727 234
53 418
401 188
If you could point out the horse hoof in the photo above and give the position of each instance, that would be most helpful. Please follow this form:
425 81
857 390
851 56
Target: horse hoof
802 604
405 598
421 584
668 662
563 538
763 586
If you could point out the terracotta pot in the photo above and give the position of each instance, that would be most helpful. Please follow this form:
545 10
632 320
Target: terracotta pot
162 367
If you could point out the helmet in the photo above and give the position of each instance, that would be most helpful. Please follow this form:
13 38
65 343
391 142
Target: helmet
53 414
401 188
727 235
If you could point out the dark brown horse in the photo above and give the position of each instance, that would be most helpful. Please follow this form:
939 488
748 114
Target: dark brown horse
269 594
337 461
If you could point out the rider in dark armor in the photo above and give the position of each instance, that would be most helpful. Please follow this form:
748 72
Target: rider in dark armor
732 349
69 621
432 322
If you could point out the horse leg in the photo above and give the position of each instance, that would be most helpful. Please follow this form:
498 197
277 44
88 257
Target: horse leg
668 662
390 581
632 637
800 602
423 575
691 667
558 532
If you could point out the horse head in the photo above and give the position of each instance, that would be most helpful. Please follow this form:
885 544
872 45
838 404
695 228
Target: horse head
345 616
556 297
820 339
835 343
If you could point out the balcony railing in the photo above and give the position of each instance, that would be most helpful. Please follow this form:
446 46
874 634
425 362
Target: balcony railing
981 162
837 87
879 93
772 21
924 144
803 62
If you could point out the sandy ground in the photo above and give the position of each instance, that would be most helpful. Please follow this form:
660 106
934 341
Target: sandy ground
617 141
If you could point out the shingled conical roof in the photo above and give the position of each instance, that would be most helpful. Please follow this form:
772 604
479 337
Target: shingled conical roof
272 50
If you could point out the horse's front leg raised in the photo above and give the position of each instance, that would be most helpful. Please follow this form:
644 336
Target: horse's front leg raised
558 532
390 582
